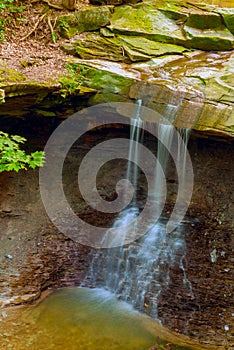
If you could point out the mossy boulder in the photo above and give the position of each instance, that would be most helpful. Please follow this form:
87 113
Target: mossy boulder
175 23
228 17
87 19
219 39
204 20
104 80
146 20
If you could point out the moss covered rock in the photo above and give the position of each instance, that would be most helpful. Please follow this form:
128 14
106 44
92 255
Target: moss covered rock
87 19
140 49
92 45
121 48
219 39
145 20
204 20
8 74
198 88
228 17
104 80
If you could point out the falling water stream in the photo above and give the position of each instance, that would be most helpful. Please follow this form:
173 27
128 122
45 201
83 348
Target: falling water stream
139 271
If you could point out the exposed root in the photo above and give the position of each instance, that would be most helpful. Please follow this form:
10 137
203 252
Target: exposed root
57 7
34 28
52 5
51 29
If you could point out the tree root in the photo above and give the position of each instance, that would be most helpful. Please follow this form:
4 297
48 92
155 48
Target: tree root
49 4
52 5
34 28
51 29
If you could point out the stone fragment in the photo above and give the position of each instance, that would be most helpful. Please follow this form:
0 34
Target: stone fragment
9 256
204 20
228 17
217 39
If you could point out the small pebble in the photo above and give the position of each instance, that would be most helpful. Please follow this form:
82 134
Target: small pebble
4 314
226 328
9 256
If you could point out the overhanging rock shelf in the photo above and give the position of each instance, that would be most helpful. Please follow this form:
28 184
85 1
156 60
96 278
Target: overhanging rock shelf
162 52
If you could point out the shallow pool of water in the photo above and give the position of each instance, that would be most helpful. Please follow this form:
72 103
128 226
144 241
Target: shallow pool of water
82 318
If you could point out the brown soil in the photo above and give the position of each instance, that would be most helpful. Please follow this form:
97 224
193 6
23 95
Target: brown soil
35 55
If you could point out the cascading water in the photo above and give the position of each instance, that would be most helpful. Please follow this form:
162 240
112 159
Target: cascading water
138 272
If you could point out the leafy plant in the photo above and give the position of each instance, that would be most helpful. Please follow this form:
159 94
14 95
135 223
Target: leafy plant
8 7
71 82
14 158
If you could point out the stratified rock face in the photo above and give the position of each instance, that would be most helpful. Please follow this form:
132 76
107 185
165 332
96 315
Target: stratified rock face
120 48
149 51
165 34
200 88
204 27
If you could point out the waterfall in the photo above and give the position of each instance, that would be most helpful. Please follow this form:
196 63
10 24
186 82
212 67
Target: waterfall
139 271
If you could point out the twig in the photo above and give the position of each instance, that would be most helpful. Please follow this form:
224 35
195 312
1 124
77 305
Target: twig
34 28
49 4
52 5
51 29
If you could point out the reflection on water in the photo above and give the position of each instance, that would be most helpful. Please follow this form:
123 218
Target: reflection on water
81 318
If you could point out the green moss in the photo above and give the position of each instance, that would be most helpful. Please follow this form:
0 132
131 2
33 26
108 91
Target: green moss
105 98
10 75
45 113
219 39
145 20
204 20
228 17
103 80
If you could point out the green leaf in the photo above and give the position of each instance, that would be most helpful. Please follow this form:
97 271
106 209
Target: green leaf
12 158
